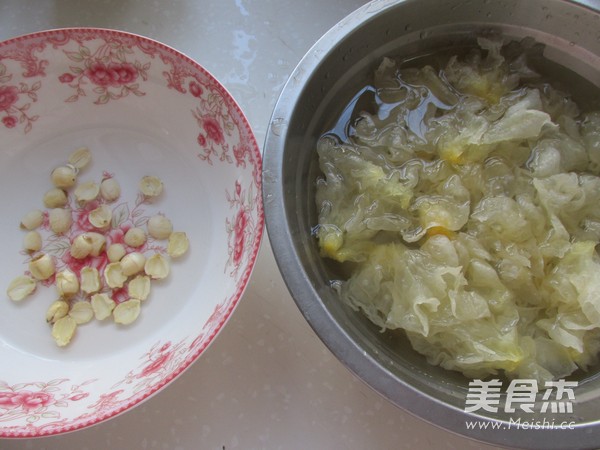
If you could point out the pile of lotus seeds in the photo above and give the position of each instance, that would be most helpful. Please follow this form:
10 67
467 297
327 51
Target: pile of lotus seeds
86 295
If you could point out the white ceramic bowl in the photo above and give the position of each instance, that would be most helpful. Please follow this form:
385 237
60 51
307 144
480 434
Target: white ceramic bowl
142 108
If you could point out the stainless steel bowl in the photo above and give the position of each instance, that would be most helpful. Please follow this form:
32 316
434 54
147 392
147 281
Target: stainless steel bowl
323 82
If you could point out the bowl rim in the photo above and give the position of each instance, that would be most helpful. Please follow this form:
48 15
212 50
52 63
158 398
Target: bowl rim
243 282
306 296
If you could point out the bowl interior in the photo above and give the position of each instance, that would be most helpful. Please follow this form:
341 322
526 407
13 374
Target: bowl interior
331 74
141 108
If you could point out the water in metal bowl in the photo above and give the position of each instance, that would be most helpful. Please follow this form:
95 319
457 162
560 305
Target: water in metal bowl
324 82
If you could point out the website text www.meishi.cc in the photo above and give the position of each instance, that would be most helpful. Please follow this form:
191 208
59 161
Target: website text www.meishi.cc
520 424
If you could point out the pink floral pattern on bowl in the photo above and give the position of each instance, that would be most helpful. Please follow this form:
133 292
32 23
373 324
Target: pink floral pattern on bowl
15 101
143 108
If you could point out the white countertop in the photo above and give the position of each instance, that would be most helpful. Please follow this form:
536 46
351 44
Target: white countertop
267 381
